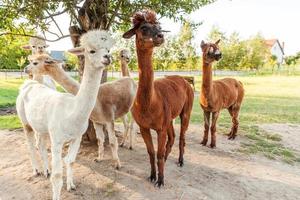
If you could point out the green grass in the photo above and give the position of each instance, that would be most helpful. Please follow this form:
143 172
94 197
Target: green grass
268 99
9 90
10 122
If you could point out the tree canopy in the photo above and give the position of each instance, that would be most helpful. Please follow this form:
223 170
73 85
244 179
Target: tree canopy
15 15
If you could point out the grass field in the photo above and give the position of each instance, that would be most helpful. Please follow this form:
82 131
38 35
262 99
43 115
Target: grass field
268 99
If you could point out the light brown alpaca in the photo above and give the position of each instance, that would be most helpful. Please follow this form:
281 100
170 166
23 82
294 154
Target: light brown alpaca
158 102
125 60
216 95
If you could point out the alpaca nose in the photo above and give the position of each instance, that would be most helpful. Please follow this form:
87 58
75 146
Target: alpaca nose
160 35
108 58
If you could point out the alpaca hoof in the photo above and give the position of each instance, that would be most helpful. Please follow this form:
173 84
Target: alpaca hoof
121 145
36 173
47 174
71 187
212 145
97 160
130 148
180 163
152 178
204 142
231 137
160 182
118 165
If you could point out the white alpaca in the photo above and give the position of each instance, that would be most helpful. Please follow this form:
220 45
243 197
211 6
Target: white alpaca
63 116
114 101
38 46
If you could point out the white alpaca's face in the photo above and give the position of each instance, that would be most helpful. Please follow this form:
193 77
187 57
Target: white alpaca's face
37 46
96 46
98 58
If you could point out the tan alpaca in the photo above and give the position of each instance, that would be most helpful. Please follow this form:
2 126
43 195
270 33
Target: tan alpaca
64 116
125 60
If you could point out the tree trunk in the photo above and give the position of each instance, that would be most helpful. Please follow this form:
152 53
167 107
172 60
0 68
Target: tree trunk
92 15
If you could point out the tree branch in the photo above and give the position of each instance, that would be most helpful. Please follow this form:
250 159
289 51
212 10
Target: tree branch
55 23
54 14
34 36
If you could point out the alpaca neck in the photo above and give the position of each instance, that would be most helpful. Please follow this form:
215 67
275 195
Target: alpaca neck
66 81
38 78
124 68
85 99
206 80
146 76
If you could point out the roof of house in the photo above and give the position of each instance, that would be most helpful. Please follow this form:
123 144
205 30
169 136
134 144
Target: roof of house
58 55
271 42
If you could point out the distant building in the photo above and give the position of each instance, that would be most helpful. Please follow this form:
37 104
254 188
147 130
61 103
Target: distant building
58 55
276 49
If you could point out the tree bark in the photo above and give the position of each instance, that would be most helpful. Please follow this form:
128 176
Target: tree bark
92 15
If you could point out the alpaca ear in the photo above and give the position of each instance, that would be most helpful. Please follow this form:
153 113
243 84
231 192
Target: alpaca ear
217 42
26 47
129 33
77 51
202 45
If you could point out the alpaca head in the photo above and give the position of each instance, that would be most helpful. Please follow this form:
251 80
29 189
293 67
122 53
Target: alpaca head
125 55
211 51
36 45
95 46
41 64
147 30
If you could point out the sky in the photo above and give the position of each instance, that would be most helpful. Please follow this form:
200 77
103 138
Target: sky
271 18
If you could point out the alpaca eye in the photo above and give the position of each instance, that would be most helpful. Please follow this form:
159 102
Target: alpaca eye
122 56
92 51
33 46
104 39
35 63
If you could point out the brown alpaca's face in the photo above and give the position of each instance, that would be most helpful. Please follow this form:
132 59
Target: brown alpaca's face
211 51
147 35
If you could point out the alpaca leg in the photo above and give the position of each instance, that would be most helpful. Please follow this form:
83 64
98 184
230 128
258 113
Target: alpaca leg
234 112
57 169
185 119
213 129
161 144
69 160
126 129
206 127
150 149
171 139
100 137
113 144
32 149
42 138
131 134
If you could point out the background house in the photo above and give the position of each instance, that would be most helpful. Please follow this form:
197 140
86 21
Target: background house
276 49
58 55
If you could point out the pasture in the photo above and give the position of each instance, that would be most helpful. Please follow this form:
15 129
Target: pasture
267 141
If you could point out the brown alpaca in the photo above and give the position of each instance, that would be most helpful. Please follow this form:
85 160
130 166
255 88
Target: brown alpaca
158 102
216 95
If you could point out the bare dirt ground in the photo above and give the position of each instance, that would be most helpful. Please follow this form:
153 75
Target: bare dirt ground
290 134
221 173
8 111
